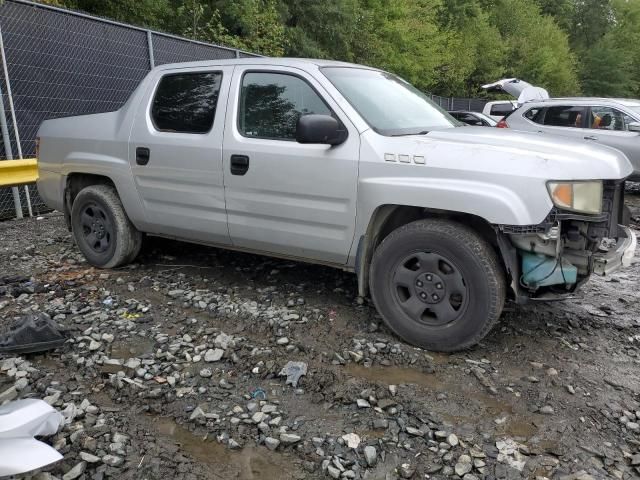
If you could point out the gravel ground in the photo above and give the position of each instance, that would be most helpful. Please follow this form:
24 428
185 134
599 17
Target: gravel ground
173 370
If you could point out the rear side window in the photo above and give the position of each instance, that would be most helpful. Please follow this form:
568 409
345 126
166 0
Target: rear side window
566 116
501 109
470 119
186 102
272 103
535 114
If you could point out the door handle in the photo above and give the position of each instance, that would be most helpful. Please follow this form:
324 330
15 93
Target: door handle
142 155
239 164
590 137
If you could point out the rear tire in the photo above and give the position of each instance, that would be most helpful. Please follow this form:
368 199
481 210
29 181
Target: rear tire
102 231
437 284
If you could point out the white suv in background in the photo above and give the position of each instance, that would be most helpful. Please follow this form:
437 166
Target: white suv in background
499 109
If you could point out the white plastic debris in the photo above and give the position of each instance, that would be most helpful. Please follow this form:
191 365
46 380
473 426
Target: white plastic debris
293 371
20 421
509 453
352 440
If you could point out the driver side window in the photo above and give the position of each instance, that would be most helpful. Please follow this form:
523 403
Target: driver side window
272 103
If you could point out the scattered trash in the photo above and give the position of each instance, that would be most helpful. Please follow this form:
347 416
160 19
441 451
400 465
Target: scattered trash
509 453
20 421
32 333
293 371
259 394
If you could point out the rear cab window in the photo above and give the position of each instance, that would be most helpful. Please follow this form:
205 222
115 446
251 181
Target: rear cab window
186 102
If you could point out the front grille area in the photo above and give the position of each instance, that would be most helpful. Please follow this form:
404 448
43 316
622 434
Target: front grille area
613 207
604 225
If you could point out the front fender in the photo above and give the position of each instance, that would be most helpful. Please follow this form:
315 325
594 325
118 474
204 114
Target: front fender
494 203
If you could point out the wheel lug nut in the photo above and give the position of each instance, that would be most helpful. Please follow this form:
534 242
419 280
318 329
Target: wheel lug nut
435 297
423 295
418 283
429 277
438 285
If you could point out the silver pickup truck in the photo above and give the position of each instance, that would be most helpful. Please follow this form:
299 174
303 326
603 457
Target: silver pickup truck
346 166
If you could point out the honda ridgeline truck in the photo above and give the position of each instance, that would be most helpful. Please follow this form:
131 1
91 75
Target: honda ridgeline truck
346 166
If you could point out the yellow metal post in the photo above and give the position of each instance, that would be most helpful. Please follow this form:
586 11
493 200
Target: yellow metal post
18 172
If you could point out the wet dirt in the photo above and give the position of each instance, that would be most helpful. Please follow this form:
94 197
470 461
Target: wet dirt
580 358
135 347
248 463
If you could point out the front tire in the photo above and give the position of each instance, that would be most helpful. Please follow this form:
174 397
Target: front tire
102 231
437 284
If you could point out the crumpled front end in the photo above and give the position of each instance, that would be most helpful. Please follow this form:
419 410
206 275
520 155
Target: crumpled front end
552 259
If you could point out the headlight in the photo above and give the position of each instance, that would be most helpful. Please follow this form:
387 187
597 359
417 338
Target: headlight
583 197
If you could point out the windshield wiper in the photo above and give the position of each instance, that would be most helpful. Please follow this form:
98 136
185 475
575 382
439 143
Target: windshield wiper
423 132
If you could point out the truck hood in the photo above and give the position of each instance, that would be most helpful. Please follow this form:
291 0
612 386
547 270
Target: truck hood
522 153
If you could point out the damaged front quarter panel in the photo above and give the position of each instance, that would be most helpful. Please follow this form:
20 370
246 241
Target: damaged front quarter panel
549 261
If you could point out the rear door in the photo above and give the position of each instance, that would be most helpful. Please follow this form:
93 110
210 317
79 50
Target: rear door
282 196
563 120
175 151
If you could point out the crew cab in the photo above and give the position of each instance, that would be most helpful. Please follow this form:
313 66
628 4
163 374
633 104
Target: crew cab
346 166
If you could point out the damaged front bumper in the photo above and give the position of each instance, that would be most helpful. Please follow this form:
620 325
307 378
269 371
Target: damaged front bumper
621 255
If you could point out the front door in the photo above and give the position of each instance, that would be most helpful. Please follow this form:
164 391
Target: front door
609 126
283 197
176 153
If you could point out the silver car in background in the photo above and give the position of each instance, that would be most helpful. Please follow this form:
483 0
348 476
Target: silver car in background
607 121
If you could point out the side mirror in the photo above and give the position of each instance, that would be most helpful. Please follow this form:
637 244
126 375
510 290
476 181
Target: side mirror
323 129
634 127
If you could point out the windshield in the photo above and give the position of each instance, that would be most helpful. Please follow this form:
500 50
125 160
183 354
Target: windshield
388 104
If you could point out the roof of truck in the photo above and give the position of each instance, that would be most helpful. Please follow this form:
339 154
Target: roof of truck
281 61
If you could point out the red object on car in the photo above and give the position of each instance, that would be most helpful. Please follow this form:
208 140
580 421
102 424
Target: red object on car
502 123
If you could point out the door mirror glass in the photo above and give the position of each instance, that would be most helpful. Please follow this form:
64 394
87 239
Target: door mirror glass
634 127
323 129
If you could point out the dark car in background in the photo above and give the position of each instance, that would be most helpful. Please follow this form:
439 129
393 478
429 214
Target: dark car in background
476 119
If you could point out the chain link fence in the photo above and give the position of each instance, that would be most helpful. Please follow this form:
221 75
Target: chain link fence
454 103
58 63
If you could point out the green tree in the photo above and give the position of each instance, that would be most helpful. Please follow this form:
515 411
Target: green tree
409 42
608 70
146 13
480 52
537 48
344 32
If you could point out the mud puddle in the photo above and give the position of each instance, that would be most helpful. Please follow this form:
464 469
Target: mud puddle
504 416
249 463
132 348
394 376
